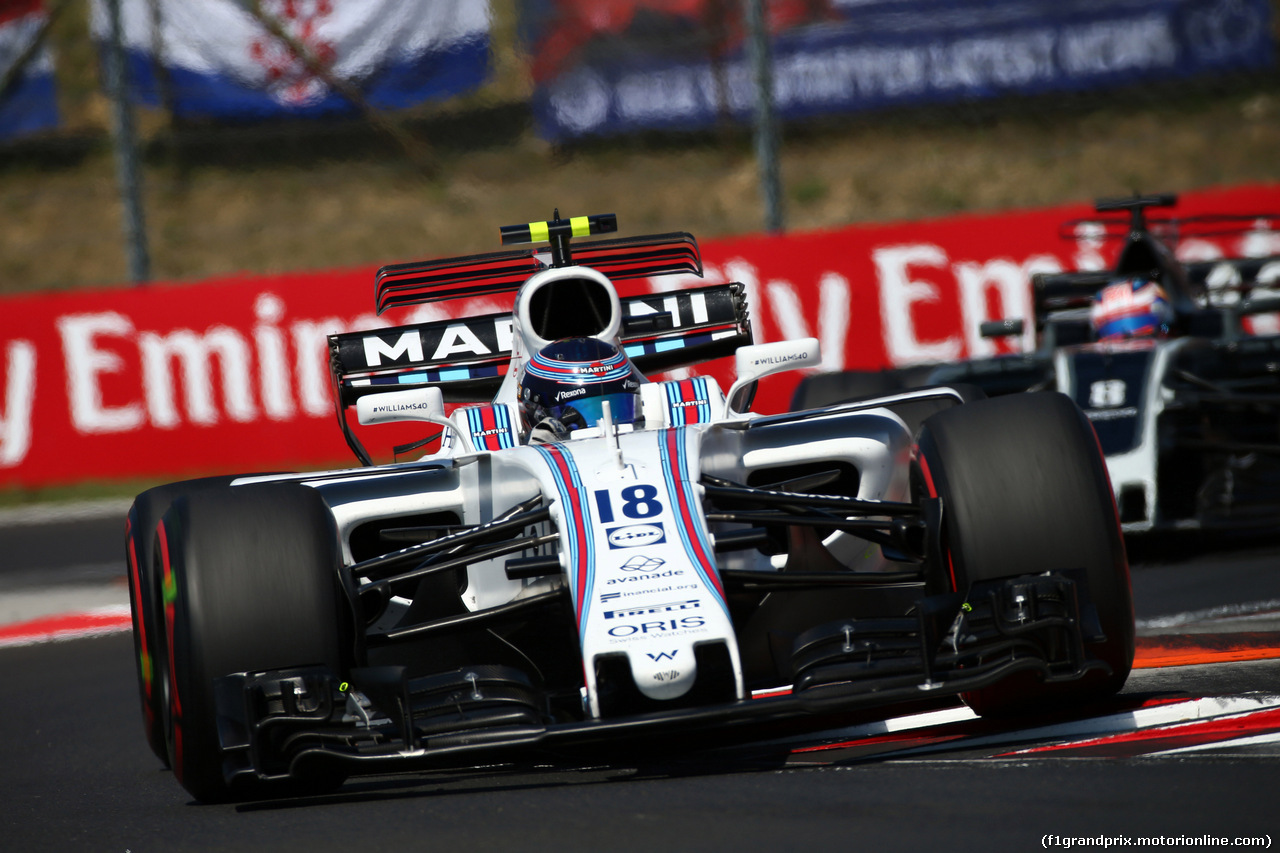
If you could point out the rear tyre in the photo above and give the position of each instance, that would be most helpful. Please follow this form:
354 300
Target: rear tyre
1025 490
251 582
145 602
828 389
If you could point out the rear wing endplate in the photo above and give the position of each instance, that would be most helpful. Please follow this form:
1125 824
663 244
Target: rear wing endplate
1053 292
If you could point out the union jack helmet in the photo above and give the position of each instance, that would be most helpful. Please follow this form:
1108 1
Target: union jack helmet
1130 308
571 379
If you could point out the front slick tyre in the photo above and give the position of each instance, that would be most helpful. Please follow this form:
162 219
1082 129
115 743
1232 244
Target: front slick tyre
251 582
1024 490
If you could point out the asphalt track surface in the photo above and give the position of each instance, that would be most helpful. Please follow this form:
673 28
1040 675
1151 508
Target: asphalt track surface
1189 753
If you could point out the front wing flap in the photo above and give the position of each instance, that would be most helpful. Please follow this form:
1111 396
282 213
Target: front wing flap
377 720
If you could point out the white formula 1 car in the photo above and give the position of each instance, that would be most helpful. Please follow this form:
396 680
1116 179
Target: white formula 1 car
593 563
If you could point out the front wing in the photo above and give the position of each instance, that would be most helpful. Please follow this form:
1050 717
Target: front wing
274 725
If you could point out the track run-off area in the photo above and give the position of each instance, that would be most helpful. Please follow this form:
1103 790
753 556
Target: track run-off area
1187 755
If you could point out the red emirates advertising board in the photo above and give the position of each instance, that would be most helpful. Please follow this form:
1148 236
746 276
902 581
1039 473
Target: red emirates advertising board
166 381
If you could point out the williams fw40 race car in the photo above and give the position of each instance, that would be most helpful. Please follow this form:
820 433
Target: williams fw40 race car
1165 358
585 564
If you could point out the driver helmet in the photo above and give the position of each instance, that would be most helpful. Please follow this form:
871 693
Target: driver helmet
568 382
1130 308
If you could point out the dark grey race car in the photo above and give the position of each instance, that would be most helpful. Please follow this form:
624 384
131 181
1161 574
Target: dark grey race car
1189 417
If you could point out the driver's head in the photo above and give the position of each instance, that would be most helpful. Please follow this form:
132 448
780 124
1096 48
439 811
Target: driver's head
569 381
1130 308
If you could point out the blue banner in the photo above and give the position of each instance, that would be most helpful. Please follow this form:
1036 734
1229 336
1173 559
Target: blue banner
215 59
855 55
30 103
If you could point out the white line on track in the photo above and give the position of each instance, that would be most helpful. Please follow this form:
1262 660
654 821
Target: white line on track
927 719
1245 610
48 513
1255 740
1109 724
25 605
97 622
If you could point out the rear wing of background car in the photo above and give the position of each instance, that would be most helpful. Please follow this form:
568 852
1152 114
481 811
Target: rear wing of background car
1055 292
1121 217
1127 219
1062 300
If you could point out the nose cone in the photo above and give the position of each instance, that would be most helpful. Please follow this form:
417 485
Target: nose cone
664 672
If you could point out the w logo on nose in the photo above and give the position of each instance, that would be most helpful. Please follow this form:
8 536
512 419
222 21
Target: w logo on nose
656 656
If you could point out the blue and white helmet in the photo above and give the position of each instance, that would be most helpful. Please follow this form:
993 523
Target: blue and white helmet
1134 307
570 380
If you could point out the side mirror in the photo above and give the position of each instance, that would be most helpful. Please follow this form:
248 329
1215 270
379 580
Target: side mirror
413 404
1001 328
760 360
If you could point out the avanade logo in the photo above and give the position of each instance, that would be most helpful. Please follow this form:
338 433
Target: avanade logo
640 563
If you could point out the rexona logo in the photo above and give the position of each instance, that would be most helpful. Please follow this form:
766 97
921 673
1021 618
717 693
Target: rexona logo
636 535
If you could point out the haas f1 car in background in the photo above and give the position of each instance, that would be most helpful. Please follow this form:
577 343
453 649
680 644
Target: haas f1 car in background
1184 396
591 563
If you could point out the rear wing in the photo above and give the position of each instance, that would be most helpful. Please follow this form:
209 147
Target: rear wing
1054 292
1242 273
492 273
1060 300
1121 217
469 357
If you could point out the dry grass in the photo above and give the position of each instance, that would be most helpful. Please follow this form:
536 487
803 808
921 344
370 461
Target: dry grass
214 217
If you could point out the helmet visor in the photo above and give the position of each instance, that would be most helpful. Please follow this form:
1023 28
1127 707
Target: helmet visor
588 411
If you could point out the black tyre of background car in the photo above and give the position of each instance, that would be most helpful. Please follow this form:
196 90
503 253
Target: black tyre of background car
145 601
828 389
1025 489
251 580
851 386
